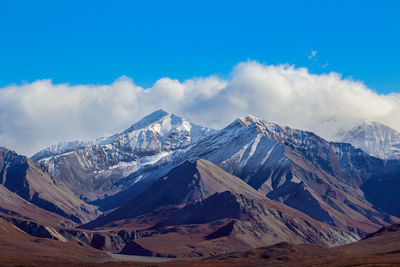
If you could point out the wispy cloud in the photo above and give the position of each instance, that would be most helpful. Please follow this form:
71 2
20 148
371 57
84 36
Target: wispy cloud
37 114
313 54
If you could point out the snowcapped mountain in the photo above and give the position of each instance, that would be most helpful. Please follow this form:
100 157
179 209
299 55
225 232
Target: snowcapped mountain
298 168
93 168
159 131
374 138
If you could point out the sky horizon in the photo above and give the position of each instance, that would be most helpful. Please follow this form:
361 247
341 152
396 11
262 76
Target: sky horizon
83 69
95 42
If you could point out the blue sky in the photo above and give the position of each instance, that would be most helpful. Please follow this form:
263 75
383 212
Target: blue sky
95 42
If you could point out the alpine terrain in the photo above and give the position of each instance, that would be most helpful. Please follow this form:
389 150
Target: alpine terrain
168 187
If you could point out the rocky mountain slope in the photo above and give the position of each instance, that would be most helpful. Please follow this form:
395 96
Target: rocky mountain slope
29 191
227 222
111 241
18 248
202 204
188 182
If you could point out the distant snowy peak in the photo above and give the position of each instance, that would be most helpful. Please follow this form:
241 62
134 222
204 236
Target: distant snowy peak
374 138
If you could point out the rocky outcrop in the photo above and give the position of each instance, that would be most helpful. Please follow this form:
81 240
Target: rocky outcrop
112 241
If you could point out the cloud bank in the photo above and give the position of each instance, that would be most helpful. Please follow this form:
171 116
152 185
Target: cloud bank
35 115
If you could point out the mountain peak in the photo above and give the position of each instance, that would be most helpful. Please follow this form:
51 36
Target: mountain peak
248 120
150 119
375 138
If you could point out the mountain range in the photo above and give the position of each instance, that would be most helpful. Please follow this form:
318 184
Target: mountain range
168 187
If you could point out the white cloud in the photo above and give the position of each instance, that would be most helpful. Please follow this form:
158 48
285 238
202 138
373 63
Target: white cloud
313 54
38 114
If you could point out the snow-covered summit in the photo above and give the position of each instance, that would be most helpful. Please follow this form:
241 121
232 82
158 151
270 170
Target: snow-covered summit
149 119
156 132
159 131
248 120
372 137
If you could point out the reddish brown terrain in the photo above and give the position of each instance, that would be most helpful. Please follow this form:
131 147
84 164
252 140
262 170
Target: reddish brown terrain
19 248
378 249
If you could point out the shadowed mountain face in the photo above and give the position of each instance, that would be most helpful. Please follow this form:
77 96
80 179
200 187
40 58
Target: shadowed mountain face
29 191
383 188
261 219
186 183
